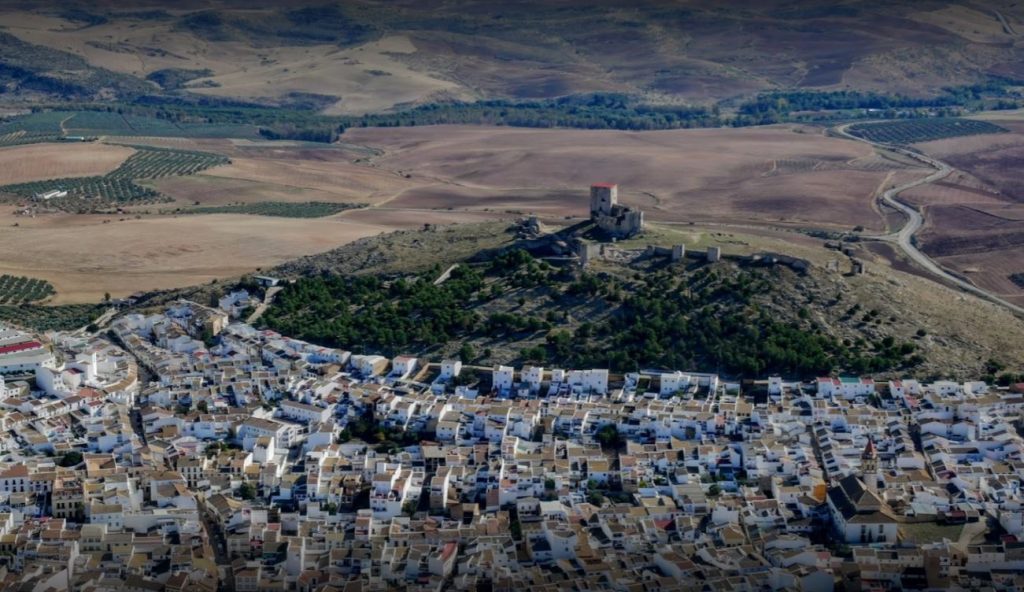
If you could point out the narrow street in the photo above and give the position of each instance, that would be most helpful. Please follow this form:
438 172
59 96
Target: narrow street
145 377
219 545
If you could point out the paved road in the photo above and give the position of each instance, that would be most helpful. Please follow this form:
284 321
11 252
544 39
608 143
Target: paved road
904 237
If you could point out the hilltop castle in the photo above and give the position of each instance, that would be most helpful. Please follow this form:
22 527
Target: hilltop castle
616 220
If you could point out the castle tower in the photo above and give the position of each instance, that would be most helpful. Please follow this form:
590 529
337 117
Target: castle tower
603 197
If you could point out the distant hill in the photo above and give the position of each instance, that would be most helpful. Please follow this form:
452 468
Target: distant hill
373 56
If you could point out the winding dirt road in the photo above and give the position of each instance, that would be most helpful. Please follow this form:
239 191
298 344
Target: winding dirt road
905 236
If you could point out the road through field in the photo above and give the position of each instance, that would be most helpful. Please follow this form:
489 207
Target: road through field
1007 28
904 237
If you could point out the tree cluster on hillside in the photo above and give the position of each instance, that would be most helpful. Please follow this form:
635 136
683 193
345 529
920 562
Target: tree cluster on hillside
590 111
36 68
996 372
175 78
775 107
713 319
323 134
326 23
365 313
298 115
715 322
80 15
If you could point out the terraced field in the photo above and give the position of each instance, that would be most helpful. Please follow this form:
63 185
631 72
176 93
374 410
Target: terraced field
21 137
86 193
50 318
912 131
119 187
44 121
156 163
21 289
280 209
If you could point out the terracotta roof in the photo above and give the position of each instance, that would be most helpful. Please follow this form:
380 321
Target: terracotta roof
18 347
15 471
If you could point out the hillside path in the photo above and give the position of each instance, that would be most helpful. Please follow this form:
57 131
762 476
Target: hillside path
268 298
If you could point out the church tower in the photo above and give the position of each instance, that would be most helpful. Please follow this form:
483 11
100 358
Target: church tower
869 466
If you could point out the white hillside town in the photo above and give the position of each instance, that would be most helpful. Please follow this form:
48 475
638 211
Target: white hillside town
189 450
511 296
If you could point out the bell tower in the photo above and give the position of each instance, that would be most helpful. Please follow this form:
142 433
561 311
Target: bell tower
869 466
